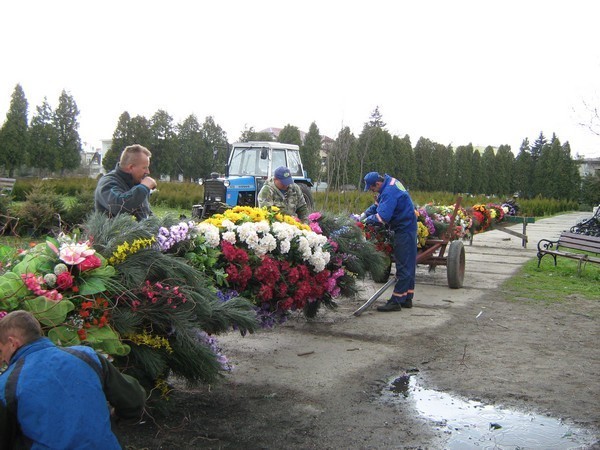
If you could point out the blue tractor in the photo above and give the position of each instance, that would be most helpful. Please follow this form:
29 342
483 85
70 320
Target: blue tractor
249 165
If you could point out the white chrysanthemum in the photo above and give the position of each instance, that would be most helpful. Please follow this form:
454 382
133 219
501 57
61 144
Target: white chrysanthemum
230 237
228 224
247 233
319 260
284 246
210 233
262 226
284 231
267 244
304 248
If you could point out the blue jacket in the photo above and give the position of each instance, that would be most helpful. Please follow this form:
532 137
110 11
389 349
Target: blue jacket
60 398
394 207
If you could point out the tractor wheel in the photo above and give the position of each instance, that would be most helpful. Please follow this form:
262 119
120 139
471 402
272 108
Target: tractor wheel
307 196
456 264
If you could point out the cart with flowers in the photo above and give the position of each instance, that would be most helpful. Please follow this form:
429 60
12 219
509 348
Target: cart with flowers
439 244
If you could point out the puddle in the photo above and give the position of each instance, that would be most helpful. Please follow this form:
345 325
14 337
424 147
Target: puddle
473 425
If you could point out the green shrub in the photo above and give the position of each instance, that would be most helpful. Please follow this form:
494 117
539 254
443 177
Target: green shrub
41 213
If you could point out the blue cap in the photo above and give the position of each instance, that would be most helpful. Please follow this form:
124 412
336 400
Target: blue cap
370 179
284 175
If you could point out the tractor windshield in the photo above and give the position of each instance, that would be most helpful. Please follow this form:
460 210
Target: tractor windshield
255 161
247 161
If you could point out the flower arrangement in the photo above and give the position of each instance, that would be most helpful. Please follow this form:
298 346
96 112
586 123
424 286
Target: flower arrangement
482 218
65 283
273 260
149 311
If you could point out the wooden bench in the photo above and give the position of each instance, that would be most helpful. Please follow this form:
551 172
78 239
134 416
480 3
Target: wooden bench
573 241
7 185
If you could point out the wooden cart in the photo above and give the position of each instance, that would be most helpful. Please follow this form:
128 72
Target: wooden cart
434 254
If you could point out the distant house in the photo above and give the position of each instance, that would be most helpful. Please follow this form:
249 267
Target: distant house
589 166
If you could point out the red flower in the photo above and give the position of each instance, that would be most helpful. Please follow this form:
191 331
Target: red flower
89 263
64 281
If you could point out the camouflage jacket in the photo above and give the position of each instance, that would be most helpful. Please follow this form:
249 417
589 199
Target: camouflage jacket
291 202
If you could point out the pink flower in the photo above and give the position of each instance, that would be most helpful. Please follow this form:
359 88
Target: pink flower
314 216
74 254
89 263
314 226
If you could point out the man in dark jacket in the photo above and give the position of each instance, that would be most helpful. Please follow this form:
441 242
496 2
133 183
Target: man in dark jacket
394 208
53 397
126 189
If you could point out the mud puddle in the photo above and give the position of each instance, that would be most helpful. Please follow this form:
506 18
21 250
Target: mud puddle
469 424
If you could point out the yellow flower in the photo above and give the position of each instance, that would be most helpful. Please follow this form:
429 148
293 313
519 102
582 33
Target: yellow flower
156 342
126 249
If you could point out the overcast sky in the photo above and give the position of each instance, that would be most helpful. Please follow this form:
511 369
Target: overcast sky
484 72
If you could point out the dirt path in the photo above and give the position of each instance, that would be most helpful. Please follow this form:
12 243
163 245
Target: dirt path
318 384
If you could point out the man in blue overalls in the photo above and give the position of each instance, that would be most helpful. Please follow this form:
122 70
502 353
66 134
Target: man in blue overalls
394 208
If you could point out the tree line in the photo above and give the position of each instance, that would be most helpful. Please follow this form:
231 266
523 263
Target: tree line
193 150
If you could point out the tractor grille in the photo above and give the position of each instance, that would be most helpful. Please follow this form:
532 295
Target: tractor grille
246 199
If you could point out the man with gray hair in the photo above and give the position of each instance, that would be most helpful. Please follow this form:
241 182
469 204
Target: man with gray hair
126 189
52 397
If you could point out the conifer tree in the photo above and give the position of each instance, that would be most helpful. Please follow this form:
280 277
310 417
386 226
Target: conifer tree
68 140
14 133
311 152
43 140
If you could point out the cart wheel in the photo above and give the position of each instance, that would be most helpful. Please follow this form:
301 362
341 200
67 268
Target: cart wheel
383 277
456 264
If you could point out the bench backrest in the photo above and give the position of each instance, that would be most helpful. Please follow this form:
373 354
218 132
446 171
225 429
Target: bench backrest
7 185
579 242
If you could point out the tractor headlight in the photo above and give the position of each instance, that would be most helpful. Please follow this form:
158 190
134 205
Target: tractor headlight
200 181
226 183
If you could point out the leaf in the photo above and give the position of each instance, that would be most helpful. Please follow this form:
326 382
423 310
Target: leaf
48 312
7 253
91 286
12 288
107 340
64 336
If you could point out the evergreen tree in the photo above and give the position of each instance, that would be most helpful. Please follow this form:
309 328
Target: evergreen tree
290 135
523 171
164 145
405 167
195 156
216 140
449 166
120 139
376 119
570 186
337 160
505 161
14 133
476 173
249 134
536 148
311 153
129 131
464 168
424 161
489 180
43 140
66 125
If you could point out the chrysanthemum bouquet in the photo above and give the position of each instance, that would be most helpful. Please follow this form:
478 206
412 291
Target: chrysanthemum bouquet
278 263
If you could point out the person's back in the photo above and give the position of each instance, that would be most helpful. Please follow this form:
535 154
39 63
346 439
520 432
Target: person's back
59 399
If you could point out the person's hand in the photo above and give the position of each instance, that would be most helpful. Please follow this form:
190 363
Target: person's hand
149 182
